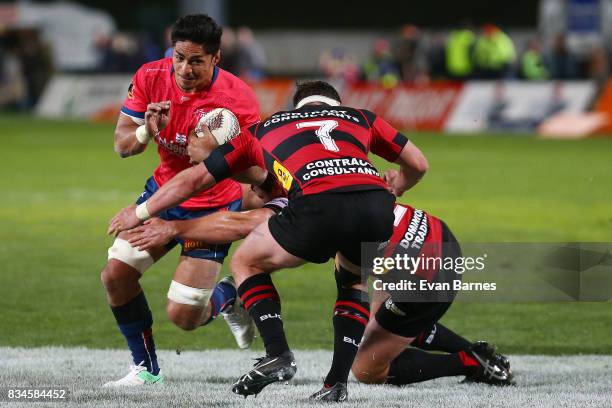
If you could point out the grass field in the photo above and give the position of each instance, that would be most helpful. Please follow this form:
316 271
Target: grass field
61 182
203 378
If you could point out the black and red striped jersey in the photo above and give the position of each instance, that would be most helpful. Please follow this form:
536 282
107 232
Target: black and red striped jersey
416 233
314 149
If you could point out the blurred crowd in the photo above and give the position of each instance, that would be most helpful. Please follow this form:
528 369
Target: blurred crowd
414 56
26 61
241 53
461 54
25 67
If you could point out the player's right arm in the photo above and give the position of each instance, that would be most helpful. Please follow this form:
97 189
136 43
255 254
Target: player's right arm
393 146
140 119
132 136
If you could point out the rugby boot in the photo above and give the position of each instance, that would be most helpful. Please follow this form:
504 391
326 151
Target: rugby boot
238 319
266 371
137 376
337 393
493 368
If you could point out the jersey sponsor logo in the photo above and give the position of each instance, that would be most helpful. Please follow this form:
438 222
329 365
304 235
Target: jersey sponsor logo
288 116
172 147
336 167
189 245
283 175
417 231
156 69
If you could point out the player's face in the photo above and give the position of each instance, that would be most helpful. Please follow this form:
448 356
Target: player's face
193 68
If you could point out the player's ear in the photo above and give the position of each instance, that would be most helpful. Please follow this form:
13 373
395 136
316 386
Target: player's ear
216 58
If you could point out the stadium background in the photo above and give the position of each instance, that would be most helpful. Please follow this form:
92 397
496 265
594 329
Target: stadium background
499 172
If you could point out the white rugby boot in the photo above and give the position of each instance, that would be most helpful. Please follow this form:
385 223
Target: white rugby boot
137 376
238 319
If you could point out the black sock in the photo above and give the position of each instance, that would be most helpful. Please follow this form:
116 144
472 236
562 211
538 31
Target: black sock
260 298
135 322
441 338
351 316
415 366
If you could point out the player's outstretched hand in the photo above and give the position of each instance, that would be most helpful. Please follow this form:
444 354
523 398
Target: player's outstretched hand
124 220
154 233
395 182
157 117
199 147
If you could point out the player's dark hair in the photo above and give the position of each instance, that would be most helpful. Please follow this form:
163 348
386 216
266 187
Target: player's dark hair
309 88
199 29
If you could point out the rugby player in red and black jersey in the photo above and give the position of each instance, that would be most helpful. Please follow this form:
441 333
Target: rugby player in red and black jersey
395 325
319 153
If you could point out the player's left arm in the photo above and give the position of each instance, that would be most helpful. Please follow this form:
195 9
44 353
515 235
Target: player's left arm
393 146
218 228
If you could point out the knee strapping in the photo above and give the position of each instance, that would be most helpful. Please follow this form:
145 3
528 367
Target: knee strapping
126 253
188 295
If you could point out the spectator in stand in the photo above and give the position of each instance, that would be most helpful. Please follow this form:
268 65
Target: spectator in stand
13 87
494 53
251 55
560 61
459 50
36 63
436 57
168 42
119 53
411 56
533 66
229 52
148 48
599 67
381 67
338 66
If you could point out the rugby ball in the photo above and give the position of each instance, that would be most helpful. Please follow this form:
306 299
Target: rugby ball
221 122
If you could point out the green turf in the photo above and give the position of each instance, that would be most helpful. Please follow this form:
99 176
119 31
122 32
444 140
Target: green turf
61 182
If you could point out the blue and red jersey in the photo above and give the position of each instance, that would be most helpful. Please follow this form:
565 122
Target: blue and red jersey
154 82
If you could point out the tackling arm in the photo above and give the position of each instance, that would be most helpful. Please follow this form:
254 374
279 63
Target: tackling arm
223 226
182 186
217 228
